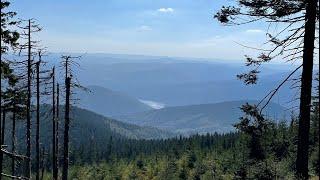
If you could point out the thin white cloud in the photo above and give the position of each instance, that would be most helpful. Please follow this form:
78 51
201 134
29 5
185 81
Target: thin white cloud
254 31
144 28
166 10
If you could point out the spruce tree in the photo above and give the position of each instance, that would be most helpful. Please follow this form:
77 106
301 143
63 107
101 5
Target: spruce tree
296 41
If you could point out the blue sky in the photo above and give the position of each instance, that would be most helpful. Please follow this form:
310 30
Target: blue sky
183 28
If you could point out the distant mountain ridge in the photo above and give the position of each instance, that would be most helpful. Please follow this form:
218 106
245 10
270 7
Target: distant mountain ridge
108 102
179 81
203 118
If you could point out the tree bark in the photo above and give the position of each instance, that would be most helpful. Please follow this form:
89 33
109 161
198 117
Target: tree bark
66 131
57 128
54 128
28 167
2 139
306 89
0 110
38 124
13 136
42 162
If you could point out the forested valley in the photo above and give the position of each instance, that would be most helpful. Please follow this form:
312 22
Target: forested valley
60 122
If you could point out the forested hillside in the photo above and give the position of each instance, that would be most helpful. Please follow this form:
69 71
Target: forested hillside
227 156
154 90
90 127
217 117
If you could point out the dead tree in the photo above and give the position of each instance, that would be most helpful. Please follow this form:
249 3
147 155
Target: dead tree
38 119
2 135
66 130
13 138
54 128
29 46
29 71
67 63
57 126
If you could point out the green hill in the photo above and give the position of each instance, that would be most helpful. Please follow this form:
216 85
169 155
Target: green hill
86 127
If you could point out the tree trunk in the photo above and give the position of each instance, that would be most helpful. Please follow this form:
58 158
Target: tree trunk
54 128
66 131
13 140
306 89
0 111
28 167
38 124
42 162
2 136
57 128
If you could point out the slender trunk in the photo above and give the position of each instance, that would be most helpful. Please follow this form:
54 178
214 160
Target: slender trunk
42 163
57 128
306 88
0 110
28 167
3 126
54 134
66 131
38 124
13 139
2 136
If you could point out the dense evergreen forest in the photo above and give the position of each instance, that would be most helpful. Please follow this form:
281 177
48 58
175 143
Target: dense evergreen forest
268 152
43 135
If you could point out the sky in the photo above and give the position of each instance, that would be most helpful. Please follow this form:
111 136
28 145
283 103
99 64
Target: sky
179 28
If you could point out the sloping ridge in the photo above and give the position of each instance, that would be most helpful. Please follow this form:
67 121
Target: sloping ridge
108 102
218 117
86 127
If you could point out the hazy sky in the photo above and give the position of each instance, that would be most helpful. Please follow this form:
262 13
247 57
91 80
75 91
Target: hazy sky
184 28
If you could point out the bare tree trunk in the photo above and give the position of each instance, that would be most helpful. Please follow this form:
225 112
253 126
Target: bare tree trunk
57 128
13 140
0 112
54 128
28 167
66 131
42 163
2 136
306 88
38 124
3 126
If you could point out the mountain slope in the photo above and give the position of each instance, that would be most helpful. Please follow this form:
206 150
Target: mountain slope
109 103
86 127
218 117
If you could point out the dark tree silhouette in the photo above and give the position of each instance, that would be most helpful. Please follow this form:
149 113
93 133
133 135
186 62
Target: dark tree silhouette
38 119
54 129
66 130
294 42
9 38
57 126
68 62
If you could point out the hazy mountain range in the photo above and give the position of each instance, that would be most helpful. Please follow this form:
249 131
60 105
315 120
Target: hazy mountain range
109 103
175 95
218 117
178 81
189 119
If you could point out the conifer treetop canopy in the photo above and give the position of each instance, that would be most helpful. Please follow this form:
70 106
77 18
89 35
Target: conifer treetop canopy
286 43
274 10
9 37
